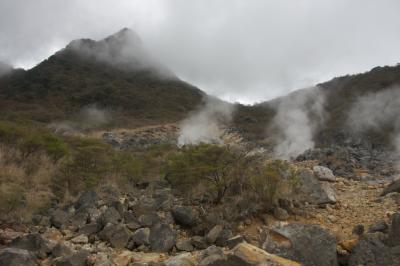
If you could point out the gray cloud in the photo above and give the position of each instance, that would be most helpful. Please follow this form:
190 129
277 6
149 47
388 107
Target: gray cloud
239 50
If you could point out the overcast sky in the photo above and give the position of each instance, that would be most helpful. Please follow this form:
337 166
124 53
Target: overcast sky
245 51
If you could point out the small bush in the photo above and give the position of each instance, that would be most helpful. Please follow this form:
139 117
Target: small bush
46 142
211 165
271 180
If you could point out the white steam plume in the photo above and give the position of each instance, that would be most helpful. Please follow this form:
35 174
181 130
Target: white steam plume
90 117
298 116
204 125
377 110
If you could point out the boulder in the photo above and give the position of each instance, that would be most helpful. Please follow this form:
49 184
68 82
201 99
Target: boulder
324 173
312 190
223 237
308 244
372 251
380 226
245 254
99 259
184 259
185 216
80 239
162 237
109 216
76 259
148 220
34 243
86 200
281 214
117 235
80 218
392 187
199 242
61 250
394 233
16 257
59 219
184 245
89 229
141 237
214 233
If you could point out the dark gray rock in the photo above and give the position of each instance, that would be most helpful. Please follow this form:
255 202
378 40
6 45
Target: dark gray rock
394 233
34 243
86 200
59 219
61 250
89 229
80 218
117 235
148 220
185 216
223 237
281 214
110 216
16 257
184 259
77 259
312 190
307 244
372 251
162 237
199 242
214 233
392 187
184 245
380 226
141 237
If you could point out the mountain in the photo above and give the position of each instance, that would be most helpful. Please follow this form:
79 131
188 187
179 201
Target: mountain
343 105
114 73
5 69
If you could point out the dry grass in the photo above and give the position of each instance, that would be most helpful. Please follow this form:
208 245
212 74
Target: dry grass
25 184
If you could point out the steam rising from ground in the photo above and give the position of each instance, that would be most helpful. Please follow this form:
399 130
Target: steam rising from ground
204 125
90 117
298 116
376 111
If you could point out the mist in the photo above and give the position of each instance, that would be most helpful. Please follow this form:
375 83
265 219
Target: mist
297 117
88 118
245 51
205 125
123 50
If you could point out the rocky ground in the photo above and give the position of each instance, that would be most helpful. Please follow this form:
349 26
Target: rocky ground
332 218
351 223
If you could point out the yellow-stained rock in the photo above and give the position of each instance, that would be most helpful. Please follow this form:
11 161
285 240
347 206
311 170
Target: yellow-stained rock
251 255
348 244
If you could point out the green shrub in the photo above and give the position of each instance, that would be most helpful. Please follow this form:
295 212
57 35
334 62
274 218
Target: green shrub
10 133
272 179
211 165
46 142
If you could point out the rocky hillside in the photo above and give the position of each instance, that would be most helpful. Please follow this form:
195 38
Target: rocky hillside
115 73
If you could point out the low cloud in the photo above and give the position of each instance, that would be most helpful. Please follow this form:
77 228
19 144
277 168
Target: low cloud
123 50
